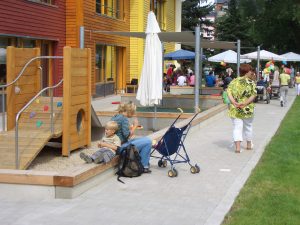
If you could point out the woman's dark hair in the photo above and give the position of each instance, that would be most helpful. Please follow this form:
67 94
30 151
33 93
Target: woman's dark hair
245 68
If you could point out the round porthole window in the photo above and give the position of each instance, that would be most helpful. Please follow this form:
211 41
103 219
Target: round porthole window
79 120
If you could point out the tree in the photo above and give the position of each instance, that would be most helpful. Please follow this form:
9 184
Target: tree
274 24
231 26
278 25
193 14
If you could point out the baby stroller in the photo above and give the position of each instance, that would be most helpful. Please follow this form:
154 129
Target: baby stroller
275 91
263 92
172 149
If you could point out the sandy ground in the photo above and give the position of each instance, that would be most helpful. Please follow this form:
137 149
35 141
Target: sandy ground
50 159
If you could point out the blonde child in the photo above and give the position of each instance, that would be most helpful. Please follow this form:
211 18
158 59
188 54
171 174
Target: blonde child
108 145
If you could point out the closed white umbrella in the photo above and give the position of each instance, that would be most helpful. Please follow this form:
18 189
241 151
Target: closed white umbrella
150 86
291 57
228 56
263 55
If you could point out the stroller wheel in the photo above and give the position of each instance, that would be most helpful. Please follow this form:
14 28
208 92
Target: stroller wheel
165 163
160 163
172 173
197 168
194 169
176 172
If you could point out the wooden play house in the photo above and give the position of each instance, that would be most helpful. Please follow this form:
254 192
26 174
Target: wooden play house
42 117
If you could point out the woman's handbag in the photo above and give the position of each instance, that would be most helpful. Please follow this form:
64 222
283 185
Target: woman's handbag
225 98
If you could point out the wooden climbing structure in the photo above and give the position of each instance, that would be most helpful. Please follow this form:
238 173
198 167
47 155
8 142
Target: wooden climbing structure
71 116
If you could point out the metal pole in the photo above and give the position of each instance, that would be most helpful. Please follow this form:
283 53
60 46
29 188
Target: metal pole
238 57
3 110
258 65
200 70
17 144
82 37
51 116
197 61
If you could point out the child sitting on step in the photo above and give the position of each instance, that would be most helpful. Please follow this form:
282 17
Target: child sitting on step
108 145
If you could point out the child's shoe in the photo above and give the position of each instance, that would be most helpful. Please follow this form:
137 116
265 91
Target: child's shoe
85 157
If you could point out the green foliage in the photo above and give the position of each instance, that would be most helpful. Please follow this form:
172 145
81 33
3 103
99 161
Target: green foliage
274 24
231 26
272 193
193 14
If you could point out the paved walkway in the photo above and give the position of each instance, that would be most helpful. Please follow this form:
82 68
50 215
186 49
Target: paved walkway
155 199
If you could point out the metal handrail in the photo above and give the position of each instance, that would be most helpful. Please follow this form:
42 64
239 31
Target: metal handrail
25 107
17 78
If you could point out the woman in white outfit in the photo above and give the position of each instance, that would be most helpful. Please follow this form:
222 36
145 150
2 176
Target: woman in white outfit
241 92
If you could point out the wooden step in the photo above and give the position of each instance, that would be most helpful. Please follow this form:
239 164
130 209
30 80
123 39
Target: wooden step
32 139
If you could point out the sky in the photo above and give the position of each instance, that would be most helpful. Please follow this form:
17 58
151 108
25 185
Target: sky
209 2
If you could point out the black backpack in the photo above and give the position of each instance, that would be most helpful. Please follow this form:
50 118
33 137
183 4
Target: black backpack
129 163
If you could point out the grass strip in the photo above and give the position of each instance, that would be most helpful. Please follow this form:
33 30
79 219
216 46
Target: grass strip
272 193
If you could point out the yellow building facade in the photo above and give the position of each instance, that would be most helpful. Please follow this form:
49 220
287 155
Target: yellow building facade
168 15
116 60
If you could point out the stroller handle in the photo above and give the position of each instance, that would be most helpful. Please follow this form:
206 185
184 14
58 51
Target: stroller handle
180 109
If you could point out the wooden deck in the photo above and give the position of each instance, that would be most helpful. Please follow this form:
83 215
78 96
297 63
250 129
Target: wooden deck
32 138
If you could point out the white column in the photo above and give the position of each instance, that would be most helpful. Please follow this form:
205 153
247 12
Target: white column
178 14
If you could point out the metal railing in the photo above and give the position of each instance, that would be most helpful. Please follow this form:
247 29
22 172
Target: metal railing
2 87
25 107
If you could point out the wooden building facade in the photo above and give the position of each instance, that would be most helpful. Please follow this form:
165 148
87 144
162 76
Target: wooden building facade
110 54
34 23
53 24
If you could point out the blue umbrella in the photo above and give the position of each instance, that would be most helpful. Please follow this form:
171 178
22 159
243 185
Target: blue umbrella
180 54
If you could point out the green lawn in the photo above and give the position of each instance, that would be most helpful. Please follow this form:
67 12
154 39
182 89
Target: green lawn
272 193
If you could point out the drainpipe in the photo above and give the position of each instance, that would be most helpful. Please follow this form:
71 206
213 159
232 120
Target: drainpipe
81 37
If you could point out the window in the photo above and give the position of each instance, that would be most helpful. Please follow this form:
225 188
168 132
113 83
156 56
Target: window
3 44
48 2
106 66
158 7
111 8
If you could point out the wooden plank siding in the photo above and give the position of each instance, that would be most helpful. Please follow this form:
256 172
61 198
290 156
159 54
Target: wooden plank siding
37 21
138 22
84 14
77 99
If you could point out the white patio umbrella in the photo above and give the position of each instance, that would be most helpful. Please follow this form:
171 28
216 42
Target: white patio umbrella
263 55
291 57
228 56
150 86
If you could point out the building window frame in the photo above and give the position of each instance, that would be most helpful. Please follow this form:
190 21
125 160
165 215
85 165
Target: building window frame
44 2
159 9
110 8
105 63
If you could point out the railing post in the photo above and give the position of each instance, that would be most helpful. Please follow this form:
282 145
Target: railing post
3 110
17 143
51 116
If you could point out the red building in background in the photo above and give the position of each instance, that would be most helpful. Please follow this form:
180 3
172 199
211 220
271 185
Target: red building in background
34 23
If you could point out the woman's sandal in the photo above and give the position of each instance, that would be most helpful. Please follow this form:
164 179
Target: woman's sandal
238 151
251 147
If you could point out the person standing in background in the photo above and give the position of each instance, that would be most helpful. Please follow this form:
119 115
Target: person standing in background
297 82
284 80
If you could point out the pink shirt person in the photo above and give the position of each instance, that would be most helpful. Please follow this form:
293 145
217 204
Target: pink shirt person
192 80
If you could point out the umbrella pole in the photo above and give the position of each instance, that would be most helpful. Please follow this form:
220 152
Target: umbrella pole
238 57
154 121
258 58
197 62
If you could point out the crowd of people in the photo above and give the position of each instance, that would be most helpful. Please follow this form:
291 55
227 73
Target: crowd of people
241 92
